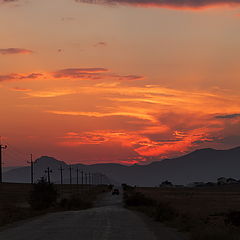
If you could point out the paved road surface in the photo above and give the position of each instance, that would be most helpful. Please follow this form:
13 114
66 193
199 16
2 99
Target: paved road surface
107 221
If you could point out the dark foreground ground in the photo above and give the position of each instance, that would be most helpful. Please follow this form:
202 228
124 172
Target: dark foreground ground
197 213
14 199
205 213
107 220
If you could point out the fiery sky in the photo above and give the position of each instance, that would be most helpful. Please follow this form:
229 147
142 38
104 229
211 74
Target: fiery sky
128 81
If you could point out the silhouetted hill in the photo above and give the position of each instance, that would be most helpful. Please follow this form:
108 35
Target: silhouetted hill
200 165
6 169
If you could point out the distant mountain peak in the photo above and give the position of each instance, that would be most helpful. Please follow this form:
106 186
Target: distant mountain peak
203 150
236 149
43 160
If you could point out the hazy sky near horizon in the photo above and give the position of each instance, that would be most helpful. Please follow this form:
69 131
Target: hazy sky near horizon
127 81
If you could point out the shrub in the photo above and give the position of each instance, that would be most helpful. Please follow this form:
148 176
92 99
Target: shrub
138 199
214 233
127 187
10 213
165 212
43 195
233 218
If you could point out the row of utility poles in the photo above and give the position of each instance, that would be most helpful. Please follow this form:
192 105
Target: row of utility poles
86 178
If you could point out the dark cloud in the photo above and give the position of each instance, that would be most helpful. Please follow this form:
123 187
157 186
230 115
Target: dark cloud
228 116
100 44
7 1
202 141
7 51
16 77
72 73
79 72
93 73
177 4
67 18
130 77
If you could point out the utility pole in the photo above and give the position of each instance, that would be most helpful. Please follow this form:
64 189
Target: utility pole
77 175
101 179
31 162
1 148
70 172
61 174
48 171
97 179
82 177
86 176
89 177
93 180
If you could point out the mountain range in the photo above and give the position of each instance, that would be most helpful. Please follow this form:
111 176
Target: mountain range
202 165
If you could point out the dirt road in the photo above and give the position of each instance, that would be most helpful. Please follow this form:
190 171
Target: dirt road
107 221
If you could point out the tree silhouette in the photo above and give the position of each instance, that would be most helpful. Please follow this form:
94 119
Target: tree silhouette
43 195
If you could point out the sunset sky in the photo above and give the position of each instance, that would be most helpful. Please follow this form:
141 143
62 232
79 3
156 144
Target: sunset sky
127 81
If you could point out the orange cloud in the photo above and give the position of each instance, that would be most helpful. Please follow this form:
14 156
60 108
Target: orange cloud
135 114
145 121
18 89
166 121
50 94
142 145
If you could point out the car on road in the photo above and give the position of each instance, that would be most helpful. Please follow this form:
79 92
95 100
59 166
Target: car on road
115 191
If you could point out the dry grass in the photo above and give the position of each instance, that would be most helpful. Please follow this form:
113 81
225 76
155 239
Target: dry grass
200 211
209 203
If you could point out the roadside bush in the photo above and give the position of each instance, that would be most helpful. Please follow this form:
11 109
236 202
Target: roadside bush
10 213
214 233
43 195
138 199
165 212
75 203
233 218
127 187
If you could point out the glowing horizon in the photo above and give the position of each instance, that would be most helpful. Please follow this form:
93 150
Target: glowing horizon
115 82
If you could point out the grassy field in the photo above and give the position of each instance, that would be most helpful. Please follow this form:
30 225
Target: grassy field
202 211
14 199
